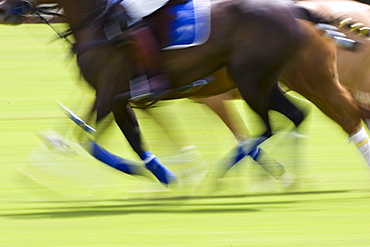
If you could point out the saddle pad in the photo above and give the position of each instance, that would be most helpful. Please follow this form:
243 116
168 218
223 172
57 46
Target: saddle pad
191 25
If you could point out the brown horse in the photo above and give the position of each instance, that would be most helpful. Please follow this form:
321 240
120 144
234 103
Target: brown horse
353 68
256 40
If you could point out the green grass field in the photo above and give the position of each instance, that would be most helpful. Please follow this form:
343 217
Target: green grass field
49 198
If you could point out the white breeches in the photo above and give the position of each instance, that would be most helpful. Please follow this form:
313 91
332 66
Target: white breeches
137 9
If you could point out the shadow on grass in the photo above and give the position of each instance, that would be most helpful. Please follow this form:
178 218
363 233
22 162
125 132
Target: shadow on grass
101 213
154 206
144 208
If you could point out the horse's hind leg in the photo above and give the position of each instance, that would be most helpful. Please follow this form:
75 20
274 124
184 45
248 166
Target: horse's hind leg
230 116
314 76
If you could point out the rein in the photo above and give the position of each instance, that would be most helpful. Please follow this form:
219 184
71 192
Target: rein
62 35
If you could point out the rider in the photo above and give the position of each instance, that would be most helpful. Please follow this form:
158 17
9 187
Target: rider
152 82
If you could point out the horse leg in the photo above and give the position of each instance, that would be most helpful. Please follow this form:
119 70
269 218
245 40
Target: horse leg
346 115
236 125
250 147
170 126
187 162
127 122
277 102
259 60
280 103
314 76
98 151
230 117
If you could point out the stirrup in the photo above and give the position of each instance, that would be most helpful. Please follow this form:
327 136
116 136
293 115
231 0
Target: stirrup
139 90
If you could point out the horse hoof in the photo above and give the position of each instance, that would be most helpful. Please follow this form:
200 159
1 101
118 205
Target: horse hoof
288 182
165 176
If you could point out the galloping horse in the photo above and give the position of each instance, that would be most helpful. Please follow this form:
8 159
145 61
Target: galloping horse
353 67
256 40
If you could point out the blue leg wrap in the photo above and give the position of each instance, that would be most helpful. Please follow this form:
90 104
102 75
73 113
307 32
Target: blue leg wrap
246 148
240 154
249 147
112 160
152 163
255 153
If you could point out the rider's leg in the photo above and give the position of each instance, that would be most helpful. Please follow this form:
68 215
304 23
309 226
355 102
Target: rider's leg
146 52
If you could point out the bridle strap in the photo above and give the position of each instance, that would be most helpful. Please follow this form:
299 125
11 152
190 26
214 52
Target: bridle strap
77 49
62 35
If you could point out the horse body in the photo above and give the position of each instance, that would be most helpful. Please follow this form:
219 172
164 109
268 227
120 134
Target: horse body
353 70
248 49
257 41
227 18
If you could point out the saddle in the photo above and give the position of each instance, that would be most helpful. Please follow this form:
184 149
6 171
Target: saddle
152 34
178 24
168 24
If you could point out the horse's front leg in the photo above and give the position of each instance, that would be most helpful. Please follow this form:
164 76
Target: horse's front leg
127 122
98 151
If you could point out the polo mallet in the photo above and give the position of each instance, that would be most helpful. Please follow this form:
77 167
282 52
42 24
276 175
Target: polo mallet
76 119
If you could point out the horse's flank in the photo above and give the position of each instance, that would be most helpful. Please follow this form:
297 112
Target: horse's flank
353 67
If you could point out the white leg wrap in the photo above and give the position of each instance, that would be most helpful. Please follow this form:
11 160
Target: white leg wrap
361 140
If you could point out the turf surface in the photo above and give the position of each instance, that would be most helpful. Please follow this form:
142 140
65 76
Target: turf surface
53 198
